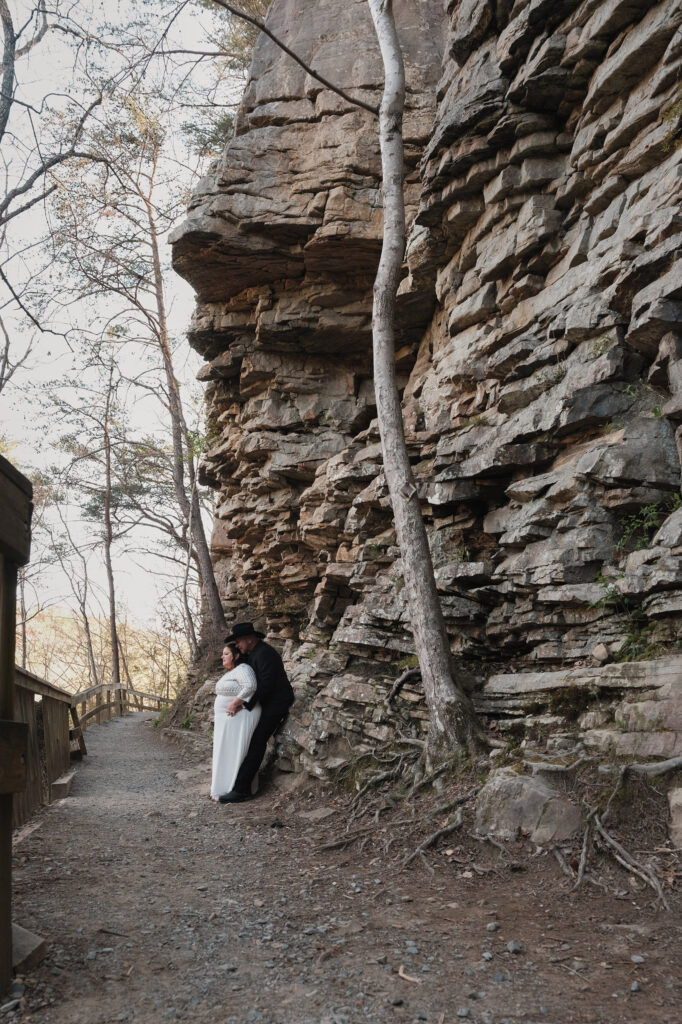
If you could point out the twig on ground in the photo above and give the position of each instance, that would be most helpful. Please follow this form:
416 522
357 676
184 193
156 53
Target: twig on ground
435 836
407 977
551 767
346 840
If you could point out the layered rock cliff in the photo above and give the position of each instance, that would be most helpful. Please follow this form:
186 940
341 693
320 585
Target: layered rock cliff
540 362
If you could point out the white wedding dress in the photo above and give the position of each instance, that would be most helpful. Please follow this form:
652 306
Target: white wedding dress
232 734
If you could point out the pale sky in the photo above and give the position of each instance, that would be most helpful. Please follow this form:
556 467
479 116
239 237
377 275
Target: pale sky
21 406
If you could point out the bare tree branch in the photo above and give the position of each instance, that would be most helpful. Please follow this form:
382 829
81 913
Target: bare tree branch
294 56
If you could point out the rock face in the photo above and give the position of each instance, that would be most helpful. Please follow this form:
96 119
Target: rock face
540 360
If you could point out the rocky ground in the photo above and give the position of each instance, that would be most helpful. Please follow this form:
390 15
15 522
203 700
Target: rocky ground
160 905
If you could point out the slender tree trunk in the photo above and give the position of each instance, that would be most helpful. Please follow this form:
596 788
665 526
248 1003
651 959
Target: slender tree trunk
92 664
7 84
453 728
22 613
182 456
109 540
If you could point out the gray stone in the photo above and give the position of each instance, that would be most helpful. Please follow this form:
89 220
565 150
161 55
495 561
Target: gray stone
510 801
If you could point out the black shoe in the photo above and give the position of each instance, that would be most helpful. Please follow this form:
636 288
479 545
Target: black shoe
233 797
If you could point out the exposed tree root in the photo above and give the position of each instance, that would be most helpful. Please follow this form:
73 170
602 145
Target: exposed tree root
409 673
435 836
583 855
629 862
562 862
649 771
428 778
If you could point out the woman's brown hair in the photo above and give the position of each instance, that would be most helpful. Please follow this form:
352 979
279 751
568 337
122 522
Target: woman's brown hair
236 653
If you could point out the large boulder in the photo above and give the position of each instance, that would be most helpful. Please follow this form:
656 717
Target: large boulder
510 802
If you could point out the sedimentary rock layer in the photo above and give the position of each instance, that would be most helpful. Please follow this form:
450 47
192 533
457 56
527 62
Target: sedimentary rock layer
540 354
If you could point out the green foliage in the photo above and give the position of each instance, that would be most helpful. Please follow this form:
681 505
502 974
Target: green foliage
611 595
461 554
550 375
639 645
602 345
410 661
211 137
186 722
672 116
638 528
472 421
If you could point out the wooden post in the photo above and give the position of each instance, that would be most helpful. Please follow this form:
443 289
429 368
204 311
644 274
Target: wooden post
15 536
7 621
98 701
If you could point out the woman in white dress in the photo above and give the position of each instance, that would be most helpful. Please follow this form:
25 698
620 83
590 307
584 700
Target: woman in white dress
232 732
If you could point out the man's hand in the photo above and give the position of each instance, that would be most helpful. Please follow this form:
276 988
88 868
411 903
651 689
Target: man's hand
234 706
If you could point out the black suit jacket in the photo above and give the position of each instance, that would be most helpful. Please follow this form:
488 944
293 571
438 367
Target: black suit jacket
272 683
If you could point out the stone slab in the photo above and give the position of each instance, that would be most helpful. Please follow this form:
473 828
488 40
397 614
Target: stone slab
28 949
634 675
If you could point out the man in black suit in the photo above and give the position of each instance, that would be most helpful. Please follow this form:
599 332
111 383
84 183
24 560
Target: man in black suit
273 693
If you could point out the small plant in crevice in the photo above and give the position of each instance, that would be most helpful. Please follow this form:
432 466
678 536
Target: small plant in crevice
672 116
472 421
639 643
611 594
461 554
638 528
186 722
410 661
602 345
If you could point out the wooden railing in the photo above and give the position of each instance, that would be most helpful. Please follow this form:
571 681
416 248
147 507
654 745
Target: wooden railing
47 712
55 730
102 703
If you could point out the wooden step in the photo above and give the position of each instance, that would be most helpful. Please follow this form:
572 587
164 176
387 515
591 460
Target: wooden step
61 787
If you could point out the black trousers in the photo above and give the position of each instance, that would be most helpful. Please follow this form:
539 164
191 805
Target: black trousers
271 717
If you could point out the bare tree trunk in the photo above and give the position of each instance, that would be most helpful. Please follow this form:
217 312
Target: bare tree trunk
7 86
453 729
108 541
22 613
182 454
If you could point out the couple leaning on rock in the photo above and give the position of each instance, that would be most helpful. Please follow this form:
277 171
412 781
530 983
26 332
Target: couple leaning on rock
252 700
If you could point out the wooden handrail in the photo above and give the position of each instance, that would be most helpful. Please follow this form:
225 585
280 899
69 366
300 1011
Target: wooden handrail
34 684
92 691
111 705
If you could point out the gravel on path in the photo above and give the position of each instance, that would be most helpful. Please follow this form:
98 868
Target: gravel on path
160 905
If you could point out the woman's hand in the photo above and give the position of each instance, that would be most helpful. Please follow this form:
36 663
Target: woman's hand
234 706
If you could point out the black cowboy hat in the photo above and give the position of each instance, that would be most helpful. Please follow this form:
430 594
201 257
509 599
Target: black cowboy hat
241 629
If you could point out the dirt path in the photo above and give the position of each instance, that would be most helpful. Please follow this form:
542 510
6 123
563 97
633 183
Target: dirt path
161 905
